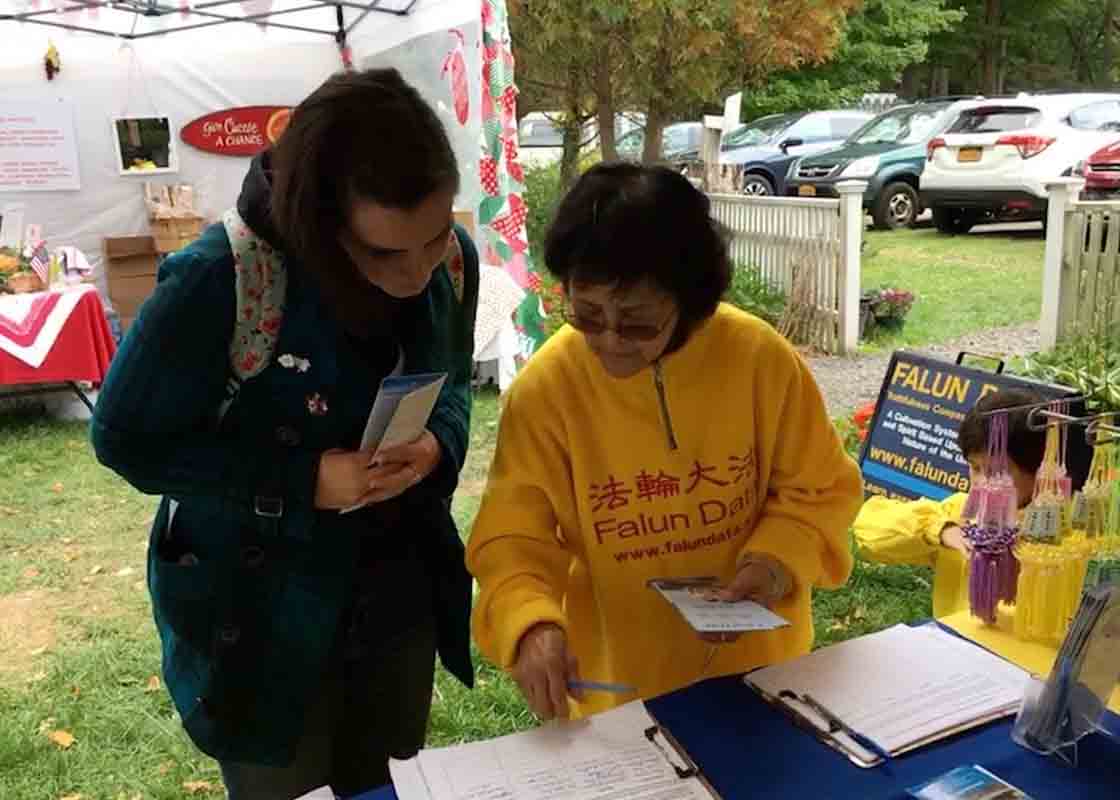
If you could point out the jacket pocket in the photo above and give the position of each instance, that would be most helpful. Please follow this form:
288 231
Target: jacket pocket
184 579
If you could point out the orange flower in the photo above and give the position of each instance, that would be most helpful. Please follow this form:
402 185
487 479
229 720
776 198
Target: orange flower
863 415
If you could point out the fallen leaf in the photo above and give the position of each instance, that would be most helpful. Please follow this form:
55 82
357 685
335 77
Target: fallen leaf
153 684
38 651
64 740
71 797
124 573
200 787
57 488
166 767
96 570
75 692
31 572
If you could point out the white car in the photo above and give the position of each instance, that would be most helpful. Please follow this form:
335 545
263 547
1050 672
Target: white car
993 163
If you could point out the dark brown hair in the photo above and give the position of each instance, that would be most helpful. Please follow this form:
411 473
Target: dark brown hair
1024 446
360 136
624 223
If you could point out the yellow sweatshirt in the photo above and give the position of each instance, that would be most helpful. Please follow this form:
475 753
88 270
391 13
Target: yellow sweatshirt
599 484
909 532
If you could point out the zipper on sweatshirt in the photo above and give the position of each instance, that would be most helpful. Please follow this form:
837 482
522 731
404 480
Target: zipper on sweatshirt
663 400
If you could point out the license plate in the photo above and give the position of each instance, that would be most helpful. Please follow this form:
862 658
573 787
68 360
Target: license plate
807 191
970 154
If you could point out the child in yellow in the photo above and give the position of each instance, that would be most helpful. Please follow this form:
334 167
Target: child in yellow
928 532
660 434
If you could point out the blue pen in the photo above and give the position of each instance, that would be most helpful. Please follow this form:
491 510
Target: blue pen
598 686
838 724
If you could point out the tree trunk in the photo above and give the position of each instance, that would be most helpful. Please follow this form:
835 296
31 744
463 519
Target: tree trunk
989 58
655 126
605 110
573 131
1109 41
656 115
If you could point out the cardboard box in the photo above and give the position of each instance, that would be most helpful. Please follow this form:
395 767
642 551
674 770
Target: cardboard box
466 219
174 233
131 263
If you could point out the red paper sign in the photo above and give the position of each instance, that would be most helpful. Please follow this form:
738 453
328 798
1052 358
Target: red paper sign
238 131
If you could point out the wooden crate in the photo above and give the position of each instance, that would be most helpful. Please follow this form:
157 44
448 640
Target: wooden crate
174 233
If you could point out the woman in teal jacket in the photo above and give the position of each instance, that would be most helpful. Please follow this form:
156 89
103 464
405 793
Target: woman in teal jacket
296 644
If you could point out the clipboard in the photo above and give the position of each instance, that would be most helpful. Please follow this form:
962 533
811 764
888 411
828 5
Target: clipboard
892 692
804 717
561 753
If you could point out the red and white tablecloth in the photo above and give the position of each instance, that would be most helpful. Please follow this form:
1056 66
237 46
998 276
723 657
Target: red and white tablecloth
54 337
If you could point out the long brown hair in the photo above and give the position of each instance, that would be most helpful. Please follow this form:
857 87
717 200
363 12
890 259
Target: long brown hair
360 136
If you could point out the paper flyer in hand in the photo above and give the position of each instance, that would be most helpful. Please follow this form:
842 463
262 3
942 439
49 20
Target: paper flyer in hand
400 412
707 615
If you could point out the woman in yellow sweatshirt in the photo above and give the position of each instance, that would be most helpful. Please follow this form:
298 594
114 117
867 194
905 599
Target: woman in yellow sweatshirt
928 532
660 434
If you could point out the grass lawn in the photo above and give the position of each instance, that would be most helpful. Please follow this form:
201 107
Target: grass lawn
79 655
962 283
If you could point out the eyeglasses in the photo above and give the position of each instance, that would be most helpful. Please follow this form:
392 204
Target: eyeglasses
631 331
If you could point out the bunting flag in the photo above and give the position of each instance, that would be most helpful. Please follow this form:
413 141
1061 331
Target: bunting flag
503 237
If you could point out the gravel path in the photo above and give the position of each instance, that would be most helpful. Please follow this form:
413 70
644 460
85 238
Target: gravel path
850 382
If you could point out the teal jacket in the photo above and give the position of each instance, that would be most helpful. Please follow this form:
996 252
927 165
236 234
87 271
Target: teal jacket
248 625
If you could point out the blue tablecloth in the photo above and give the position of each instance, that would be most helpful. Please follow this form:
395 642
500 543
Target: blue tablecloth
749 750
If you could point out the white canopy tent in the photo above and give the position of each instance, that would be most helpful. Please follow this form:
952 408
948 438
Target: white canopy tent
184 74
184 59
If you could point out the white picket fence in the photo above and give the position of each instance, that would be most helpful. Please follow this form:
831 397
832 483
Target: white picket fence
1081 278
779 235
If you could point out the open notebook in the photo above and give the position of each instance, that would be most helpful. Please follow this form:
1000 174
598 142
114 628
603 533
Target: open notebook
901 688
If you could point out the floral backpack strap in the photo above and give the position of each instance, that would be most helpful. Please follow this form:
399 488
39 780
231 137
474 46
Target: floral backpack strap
455 265
260 286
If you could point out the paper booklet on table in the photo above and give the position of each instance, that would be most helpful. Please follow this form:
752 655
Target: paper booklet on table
621 753
899 689
400 412
688 597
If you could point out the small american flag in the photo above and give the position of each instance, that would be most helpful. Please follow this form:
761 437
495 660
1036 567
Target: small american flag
41 262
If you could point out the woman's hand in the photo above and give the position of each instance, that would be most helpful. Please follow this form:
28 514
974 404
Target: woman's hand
344 479
351 478
953 537
543 668
399 468
760 578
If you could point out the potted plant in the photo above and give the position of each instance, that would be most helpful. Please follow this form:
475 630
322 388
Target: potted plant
885 307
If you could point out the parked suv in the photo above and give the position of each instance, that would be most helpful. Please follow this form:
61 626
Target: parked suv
993 163
889 153
764 148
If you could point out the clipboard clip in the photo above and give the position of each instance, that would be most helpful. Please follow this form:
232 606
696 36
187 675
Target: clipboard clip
836 725
690 769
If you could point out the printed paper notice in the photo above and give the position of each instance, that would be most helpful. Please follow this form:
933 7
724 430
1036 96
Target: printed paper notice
715 616
38 148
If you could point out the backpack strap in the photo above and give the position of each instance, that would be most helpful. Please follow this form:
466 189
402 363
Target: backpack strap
455 265
260 286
